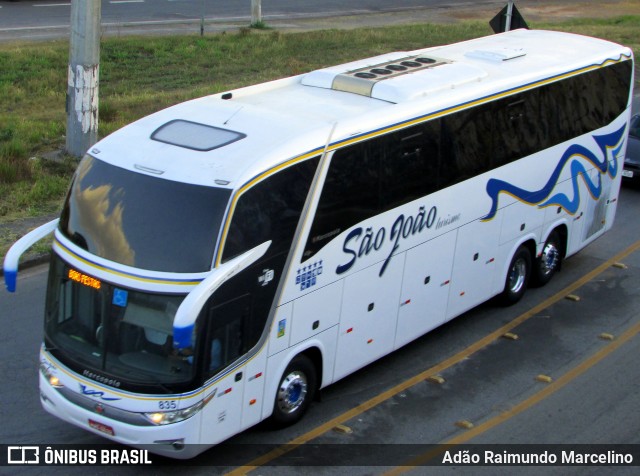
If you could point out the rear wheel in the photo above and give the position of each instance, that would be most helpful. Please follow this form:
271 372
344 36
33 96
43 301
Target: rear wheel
517 277
295 392
549 261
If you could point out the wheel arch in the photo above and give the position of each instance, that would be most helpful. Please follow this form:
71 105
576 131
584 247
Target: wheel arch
277 364
315 356
563 232
528 241
512 292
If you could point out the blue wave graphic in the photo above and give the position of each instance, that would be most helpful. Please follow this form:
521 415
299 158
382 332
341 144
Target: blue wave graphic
609 143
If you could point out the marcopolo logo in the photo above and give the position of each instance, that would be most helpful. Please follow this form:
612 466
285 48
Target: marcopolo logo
23 455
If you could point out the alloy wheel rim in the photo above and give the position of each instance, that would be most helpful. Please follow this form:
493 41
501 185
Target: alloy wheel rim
517 275
549 259
292 392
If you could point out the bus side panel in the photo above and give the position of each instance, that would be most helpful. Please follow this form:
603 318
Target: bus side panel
518 219
474 266
316 312
612 199
280 333
222 416
368 317
577 219
425 288
596 208
556 214
253 399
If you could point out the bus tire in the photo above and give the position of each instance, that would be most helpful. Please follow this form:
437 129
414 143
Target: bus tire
549 260
295 392
517 276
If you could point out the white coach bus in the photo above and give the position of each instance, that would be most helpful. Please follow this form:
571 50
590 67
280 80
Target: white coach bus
218 262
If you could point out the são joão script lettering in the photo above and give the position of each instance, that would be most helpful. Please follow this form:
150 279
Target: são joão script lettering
360 242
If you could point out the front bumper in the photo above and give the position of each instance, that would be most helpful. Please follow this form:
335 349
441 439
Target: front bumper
179 440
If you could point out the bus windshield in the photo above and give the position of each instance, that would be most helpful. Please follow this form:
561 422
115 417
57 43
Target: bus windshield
142 221
115 333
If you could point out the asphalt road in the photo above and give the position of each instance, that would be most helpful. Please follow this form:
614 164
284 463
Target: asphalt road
489 381
38 19
49 19
29 13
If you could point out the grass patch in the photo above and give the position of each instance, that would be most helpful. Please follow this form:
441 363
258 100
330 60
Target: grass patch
139 76
260 25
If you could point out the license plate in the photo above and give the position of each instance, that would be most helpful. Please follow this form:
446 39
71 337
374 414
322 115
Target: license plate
96 425
627 173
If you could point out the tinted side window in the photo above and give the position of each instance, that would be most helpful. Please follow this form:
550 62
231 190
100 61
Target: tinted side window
583 103
385 172
618 84
236 314
410 164
270 210
467 144
563 96
227 338
517 128
588 102
351 193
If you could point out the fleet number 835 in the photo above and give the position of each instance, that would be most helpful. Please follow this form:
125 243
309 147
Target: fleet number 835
168 405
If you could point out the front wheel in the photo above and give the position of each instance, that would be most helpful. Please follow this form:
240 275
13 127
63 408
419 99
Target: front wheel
549 261
295 392
517 277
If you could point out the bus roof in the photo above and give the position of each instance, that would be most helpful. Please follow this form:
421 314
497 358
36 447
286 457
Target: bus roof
228 139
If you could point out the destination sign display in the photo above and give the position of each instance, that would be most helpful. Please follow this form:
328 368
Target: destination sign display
84 279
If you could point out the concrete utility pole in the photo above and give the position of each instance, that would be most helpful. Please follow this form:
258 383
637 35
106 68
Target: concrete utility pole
84 68
256 11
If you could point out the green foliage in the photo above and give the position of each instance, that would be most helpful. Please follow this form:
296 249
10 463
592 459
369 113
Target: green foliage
260 25
139 76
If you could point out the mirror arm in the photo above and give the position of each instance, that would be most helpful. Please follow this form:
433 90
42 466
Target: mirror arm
185 319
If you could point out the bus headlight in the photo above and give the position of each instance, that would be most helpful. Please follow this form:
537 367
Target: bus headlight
52 379
175 416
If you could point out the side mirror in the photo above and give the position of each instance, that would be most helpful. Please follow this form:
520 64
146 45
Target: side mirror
185 318
19 247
